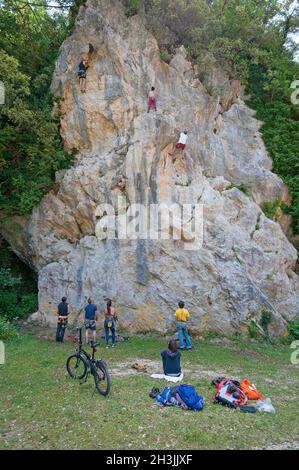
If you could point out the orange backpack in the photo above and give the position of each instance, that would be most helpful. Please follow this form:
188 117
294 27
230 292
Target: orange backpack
250 390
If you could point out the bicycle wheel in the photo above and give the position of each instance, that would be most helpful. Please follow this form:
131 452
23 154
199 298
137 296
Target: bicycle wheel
76 367
102 378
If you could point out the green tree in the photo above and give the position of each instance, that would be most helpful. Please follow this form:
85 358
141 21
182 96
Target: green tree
30 145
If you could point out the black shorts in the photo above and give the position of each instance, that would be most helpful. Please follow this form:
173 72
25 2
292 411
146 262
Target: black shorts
82 74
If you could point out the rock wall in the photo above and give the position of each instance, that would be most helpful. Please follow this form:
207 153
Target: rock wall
245 265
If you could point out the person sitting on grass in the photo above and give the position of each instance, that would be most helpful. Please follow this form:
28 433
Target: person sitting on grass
171 359
182 316
90 320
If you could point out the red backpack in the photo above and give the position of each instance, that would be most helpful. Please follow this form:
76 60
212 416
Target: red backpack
229 393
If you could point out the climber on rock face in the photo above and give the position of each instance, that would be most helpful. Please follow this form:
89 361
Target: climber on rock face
83 66
181 144
151 100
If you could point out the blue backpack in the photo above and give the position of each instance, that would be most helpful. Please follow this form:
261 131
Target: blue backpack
188 398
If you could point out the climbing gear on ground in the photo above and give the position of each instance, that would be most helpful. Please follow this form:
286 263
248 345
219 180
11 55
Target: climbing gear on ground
229 393
188 397
250 390
154 392
184 396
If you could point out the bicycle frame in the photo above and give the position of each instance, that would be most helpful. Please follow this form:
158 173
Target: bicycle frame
80 350
93 366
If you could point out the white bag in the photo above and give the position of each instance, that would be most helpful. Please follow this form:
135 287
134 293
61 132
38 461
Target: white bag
265 406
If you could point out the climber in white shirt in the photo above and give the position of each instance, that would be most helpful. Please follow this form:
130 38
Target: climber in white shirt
181 144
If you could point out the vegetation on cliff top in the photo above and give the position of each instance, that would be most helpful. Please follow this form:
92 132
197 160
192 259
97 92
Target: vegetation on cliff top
251 41
247 39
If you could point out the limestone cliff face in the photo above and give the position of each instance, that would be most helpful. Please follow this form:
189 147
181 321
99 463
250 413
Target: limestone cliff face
246 264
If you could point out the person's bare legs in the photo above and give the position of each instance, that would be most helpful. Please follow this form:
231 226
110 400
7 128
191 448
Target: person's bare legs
82 82
87 335
94 336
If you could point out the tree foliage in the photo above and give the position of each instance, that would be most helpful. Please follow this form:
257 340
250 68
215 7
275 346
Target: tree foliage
30 144
18 289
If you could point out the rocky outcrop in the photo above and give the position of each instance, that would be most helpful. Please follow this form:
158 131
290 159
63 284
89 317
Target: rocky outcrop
245 265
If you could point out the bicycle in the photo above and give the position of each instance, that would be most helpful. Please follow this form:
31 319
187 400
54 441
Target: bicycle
81 364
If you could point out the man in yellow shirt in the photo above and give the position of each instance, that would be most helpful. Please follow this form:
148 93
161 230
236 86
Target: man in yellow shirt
182 316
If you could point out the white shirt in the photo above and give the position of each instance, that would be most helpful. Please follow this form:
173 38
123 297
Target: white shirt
183 138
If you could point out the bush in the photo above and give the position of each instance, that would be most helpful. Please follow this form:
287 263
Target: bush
7 280
272 209
132 7
265 321
253 331
164 55
7 330
14 307
242 187
293 328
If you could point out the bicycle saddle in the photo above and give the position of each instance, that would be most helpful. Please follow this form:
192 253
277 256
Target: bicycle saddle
94 345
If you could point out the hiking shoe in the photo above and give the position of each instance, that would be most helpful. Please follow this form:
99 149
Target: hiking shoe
113 345
107 347
154 392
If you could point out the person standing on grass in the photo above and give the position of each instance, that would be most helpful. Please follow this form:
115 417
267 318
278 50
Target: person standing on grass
90 320
110 323
171 359
152 100
63 314
182 316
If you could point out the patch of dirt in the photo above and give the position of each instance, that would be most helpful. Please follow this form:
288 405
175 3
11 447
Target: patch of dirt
223 342
247 352
124 369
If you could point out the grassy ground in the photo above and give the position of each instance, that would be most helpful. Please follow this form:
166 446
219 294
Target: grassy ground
41 408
